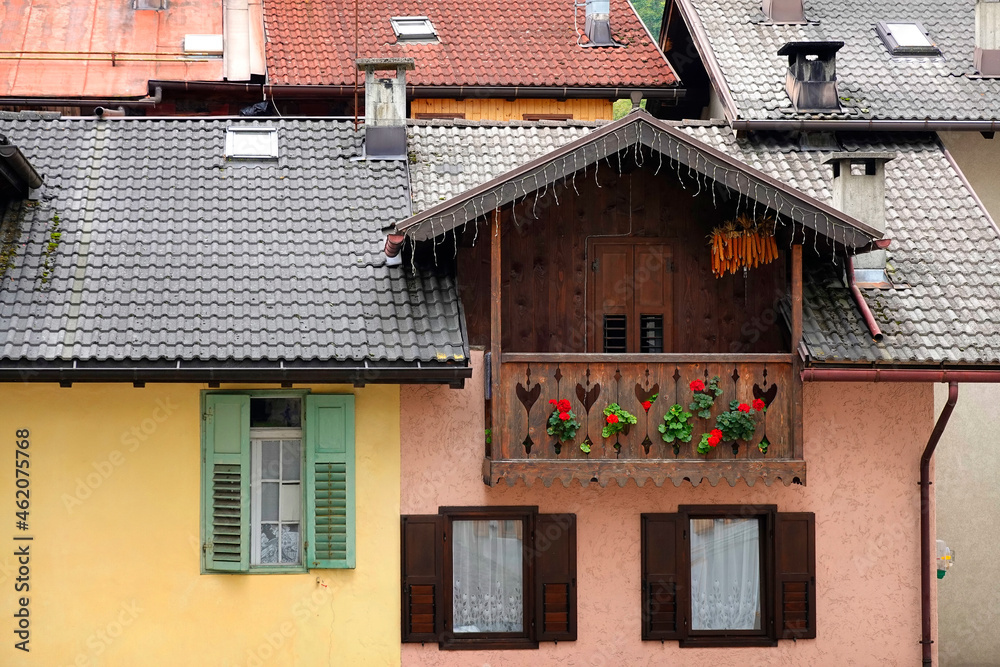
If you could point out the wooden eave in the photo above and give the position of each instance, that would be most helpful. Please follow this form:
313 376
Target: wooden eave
640 128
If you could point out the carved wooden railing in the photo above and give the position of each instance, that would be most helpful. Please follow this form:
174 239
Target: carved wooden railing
523 449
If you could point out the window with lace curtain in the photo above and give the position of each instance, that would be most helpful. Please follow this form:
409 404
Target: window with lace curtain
728 575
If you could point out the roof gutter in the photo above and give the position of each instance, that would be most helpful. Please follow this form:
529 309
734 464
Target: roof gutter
813 374
357 374
149 101
15 159
412 91
859 299
866 125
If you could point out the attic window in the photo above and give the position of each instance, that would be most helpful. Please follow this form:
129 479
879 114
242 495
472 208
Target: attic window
413 29
149 4
256 143
907 39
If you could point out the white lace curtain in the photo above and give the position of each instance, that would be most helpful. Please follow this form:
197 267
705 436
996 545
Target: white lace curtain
487 576
725 574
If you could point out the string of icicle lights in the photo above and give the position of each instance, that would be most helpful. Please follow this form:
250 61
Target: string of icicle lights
689 164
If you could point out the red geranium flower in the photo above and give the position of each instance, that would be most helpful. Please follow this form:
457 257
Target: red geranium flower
612 419
714 440
743 407
646 405
564 405
697 385
564 416
758 404
553 401
716 433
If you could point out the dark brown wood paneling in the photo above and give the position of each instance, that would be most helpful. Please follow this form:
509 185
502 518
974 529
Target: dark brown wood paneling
795 575
664 577
422 576
547 265
555 577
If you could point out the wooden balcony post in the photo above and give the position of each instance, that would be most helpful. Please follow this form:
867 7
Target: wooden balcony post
495 333
796 297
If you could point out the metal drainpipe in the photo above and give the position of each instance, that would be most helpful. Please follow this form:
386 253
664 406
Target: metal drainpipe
859 299
925 524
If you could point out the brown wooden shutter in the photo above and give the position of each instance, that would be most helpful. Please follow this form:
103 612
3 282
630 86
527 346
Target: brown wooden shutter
555 577
795 575
664 586
423 578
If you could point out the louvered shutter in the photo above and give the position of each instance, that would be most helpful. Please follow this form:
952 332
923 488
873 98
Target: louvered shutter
795 575
423 577
226 483
663 586
330 480
555 577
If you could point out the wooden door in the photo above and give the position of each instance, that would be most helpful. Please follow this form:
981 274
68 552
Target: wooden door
630 309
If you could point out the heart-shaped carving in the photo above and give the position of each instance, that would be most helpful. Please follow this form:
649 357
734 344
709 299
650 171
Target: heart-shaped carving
644 395
767 396
588 398
526 397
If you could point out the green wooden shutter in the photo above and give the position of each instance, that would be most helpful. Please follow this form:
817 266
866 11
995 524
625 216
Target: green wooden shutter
226 483
330 481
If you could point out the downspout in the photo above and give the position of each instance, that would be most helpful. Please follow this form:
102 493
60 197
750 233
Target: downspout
925 524
859 299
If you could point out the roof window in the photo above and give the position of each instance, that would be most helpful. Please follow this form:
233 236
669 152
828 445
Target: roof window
251 143
413 29
149 4
906 38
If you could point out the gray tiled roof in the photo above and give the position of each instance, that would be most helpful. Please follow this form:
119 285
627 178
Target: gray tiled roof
168 252
872 83
440 152
943 254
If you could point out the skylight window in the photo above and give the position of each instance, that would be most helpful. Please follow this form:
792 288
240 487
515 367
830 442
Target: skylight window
907 38
251 143
414 29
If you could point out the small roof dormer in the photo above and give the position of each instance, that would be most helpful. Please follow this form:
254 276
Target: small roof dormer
811 80
783 11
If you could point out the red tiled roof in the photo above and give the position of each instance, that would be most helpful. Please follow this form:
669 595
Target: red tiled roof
482 43
96 25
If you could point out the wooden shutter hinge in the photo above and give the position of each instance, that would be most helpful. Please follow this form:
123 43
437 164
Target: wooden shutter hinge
595 265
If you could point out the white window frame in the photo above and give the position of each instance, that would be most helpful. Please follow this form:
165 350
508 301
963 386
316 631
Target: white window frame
234 151
257 436
404 33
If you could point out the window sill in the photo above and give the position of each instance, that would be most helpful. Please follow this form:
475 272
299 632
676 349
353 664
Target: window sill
520 643
726 642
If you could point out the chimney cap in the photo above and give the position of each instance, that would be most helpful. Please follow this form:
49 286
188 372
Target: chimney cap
847 155
365 64
810 48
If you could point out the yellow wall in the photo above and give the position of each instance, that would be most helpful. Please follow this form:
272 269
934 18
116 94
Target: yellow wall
114 564
504 110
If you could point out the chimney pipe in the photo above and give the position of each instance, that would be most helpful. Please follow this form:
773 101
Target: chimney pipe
598 26
859 191
988 37
385 107
783 11
811 80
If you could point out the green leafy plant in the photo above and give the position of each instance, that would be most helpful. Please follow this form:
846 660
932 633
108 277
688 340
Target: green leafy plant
738 422
676 425
616 420
562 422
709 440
489 436
704 397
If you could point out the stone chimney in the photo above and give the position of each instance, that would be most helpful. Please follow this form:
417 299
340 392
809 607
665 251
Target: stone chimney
385 107
859 191
811 80
784 11
988 37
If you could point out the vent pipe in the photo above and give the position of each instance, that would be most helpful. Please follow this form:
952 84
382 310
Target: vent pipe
859 191
385 107
783 11
811 80
988 37
598 26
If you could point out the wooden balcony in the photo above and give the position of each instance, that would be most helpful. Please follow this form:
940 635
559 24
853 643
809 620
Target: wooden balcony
522 449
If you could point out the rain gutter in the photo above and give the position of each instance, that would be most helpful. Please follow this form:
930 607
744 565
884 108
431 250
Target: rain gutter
866 125
150 101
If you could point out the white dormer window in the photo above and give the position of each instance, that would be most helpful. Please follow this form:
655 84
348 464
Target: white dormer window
413 29
251 143
904 38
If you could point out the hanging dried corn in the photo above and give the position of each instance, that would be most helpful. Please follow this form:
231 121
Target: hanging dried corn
742 243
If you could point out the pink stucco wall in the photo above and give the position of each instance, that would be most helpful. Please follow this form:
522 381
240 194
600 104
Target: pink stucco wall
862 447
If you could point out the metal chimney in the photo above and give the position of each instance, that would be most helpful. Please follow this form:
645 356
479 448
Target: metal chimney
811 80
859 191
784 11
988 37
385 107
598 26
